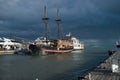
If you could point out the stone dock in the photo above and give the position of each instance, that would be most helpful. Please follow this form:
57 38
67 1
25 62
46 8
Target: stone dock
104 70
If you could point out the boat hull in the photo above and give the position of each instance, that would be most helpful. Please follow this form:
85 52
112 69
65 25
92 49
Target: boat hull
55 51
78 48
58 51
118 46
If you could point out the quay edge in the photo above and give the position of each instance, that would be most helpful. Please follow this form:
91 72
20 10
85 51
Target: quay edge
105 71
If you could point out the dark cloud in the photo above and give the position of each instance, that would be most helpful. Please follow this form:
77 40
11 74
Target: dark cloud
110 6
86 17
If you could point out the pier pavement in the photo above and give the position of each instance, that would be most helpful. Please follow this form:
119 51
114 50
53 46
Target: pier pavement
104 70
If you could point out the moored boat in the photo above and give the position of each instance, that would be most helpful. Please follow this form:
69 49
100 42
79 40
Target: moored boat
118 44
53 46
9 46
58 46
77 45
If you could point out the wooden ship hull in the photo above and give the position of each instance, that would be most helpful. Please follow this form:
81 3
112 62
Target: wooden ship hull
59 46
56 46
56 51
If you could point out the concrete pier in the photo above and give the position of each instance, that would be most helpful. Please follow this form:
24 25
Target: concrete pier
104 70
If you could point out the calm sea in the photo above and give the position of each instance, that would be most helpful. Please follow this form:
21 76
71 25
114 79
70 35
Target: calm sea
55 67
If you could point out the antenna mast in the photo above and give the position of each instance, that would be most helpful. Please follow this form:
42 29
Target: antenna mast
58 21
45 20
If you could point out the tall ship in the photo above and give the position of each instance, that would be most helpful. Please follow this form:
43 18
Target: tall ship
46 46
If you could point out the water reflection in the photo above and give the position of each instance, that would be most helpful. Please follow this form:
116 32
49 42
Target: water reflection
77 51
57 56
77 55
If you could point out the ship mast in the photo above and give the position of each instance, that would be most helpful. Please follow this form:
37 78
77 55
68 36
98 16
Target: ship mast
45 20
58 21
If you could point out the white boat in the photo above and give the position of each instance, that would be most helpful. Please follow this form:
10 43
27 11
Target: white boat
9 45
42 41
118 44
77 45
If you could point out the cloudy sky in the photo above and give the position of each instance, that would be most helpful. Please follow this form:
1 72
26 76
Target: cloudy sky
83 18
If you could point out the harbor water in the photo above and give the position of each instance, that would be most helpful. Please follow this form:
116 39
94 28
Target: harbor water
68 66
